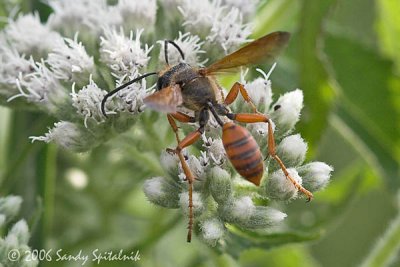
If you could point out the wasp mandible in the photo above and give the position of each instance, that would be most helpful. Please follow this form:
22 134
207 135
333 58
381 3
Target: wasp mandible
197 89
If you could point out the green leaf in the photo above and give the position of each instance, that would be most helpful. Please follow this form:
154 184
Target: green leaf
388 26
366 104
288 256
314 80
238 240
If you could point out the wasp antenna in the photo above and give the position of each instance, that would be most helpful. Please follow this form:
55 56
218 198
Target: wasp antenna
166 42
119 88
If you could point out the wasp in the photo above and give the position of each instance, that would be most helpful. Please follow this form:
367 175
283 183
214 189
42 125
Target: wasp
197 89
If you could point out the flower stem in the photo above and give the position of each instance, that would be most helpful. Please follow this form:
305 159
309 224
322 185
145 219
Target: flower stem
386 249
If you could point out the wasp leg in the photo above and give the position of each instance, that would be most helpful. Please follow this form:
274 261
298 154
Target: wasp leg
254 118
234 92
181 117
187 141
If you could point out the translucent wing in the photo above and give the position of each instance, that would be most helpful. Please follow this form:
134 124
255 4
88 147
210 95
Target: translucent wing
165 100
262 50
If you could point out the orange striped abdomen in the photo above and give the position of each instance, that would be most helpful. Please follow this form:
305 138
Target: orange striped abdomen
243 152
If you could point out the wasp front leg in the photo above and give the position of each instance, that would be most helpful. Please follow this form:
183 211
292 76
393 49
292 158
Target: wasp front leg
254 118
187 141
181 117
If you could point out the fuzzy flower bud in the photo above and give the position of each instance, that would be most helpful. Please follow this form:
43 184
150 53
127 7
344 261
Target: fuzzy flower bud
191 48
243 208
162 192
316 175
10 206
19 232
69 60
263 217
220 184
198 204
287 111
238 211
69 136
169 162
196 167
213 230
279 187
292 150
260 93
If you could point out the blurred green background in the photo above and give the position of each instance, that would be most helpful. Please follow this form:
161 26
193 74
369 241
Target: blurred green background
344 55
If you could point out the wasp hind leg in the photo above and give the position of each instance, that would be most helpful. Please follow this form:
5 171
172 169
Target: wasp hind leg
234 92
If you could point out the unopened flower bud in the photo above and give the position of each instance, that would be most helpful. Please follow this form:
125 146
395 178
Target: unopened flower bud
212 229
260 91
196 168
239 210
162 192
263 217
169 162
280 187
198 205
19 232
316 175
292 151
220 185
287 111
10 206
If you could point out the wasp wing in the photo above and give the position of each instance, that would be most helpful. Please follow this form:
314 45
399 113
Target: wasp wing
165 100
262 50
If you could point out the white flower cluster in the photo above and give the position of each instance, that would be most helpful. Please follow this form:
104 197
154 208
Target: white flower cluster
191 48
39 66
29 36
218 198
41 62
89 17
247 7
123 55
220 23
14 246
44 66
69 60
138 14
